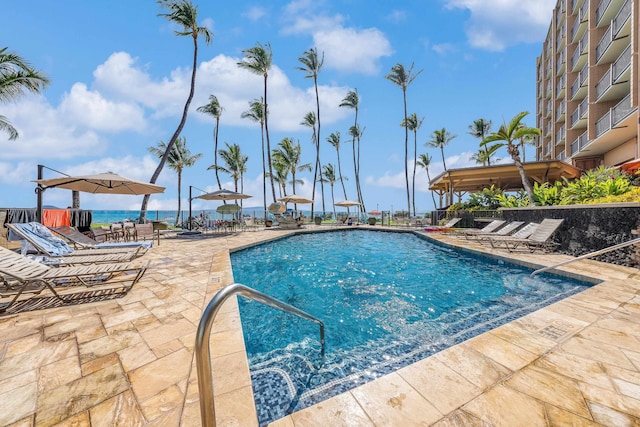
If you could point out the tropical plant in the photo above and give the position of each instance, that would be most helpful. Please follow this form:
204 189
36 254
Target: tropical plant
256 114
214 109
16 76
352 100
235 164
413 123
424 161
403 77
312 65
334 140
479 129
281 176
180 157
527 139
258 60
289 154
309 120
485 199
546 194
440 138
517 200
329 176
594 184
510 134
356 133
184 14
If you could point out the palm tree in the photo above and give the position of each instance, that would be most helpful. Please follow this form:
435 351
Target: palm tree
256 114
483 155
439 139
235 164
289 154
334 140
214 109
413 123
16 76
528 139
511 133
179 158
356 134
403 77
352 100
310 121
312 66
329 176
479 129
184 14
258 60
424 161
281 176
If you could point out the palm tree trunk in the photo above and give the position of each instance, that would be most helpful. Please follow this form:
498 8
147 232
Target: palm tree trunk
179 196
264 173
415 159
176 134
344 190
266 128
433 197
318 139
215 153
75 199
513 151
406 152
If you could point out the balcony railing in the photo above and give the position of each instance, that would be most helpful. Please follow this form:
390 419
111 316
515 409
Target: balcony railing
579 112
560 111
579 143
621 17
584 11
603 84
561 156
560 135
622 64
561 85
604 43
604 4
614 116
584 41
548 129
561 60
579 81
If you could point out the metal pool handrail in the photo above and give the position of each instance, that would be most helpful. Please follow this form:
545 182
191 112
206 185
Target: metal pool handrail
203 334
589 255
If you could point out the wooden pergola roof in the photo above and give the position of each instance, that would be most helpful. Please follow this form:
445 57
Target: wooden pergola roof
505 176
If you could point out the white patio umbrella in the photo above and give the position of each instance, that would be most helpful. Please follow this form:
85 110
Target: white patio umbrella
347 204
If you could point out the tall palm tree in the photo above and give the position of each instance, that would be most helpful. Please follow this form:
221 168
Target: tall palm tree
256 114
424 161
352 100
184 14
356 134
312 65
413 123
329 176
439 139
403 77
289 153
214 109
511 133
334 140
479 129
258 60
281 176
310 121
16 76
180 157
235 164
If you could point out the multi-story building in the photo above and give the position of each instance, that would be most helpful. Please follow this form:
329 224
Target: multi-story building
588 84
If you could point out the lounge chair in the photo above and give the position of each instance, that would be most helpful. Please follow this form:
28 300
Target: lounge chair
539 239
489 228
287 222
81 240
44 242
522 233
446 227
20 275
501 231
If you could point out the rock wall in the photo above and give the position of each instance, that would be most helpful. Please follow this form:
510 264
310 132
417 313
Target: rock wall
588 228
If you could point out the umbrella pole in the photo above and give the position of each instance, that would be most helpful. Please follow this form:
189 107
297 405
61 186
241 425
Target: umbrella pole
39 190
189 218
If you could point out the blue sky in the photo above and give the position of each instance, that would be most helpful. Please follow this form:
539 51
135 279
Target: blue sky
120 77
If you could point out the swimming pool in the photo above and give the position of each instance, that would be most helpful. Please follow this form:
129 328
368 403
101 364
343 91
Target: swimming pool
387 300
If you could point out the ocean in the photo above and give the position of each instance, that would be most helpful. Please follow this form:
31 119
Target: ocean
111 216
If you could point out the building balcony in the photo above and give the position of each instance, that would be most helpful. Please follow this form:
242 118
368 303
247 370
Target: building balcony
613 117
579 57
605 12
615 83
615 40
561 156
561 84
579 143
579 86
579 115
575 5
561 39
560 112
560 64
560 134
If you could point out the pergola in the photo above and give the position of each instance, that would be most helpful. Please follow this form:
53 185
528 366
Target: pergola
505 177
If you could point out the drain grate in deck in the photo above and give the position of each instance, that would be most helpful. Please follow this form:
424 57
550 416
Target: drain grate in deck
557 330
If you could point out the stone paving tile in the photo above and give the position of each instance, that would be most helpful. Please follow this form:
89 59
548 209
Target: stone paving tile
130 361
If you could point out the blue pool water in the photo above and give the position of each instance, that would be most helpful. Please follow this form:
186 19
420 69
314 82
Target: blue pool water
387 300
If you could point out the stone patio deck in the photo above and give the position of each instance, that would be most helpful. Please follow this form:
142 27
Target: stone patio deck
130 361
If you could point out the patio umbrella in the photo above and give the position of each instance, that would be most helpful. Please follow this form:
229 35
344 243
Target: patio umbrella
223 195
295 199
375 212
347 203
103 183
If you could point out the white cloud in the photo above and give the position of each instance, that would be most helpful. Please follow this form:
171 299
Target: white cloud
497 24
345 48
397 16
255 13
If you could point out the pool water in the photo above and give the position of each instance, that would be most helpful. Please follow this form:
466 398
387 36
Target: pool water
387 300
